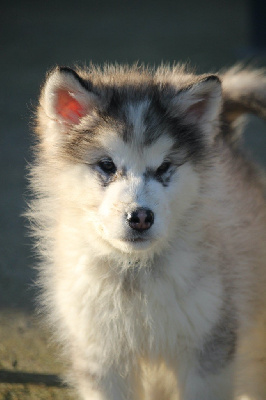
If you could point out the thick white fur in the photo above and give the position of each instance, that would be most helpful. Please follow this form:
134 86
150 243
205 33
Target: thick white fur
128 311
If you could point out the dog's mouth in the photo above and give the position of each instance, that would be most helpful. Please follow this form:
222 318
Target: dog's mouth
131 243
136 240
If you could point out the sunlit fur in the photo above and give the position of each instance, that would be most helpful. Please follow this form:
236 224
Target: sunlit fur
178 313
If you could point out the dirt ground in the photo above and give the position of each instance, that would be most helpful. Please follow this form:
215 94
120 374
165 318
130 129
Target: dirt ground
36 36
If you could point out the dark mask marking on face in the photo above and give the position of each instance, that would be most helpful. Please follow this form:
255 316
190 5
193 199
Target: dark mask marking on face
186 137
106 179
156 121
164 179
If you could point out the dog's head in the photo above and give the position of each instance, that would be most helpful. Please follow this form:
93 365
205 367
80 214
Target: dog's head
126 146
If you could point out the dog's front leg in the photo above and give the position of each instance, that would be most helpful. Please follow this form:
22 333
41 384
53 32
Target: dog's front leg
215 384
110 384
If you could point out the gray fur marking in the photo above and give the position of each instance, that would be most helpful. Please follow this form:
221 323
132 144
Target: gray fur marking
106 180
163 179
220 345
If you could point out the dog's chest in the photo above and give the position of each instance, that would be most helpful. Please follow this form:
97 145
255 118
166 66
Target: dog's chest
171 308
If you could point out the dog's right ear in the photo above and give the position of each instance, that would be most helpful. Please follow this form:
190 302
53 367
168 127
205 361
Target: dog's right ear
66 97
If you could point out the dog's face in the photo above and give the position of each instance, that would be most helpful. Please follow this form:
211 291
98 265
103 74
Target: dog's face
130 152
141 189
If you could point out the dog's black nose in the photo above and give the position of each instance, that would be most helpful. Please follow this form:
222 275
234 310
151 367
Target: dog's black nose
140 219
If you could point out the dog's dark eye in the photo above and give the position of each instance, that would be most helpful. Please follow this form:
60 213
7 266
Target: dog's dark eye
163 168
107 166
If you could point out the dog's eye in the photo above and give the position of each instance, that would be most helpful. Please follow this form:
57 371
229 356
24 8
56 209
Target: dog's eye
107 166
163 168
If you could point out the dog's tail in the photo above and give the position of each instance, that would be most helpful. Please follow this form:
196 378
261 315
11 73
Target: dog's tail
244 92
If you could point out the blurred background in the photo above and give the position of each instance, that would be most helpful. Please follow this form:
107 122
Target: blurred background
35 36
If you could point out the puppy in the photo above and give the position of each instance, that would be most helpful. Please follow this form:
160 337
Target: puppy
150 224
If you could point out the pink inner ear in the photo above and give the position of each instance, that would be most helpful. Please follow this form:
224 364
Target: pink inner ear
68 107
198 109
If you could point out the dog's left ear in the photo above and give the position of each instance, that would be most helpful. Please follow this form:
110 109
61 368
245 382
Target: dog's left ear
200 103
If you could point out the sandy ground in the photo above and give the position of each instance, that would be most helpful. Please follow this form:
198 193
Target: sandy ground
34 38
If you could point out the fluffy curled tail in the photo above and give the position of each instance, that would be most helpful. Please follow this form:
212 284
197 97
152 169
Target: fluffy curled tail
244 92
